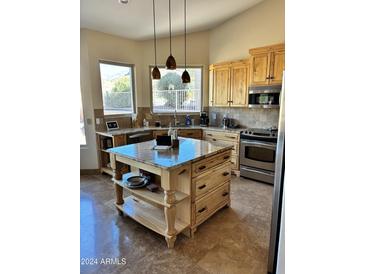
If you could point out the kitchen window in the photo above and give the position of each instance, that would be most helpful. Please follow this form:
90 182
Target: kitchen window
169 94
117 85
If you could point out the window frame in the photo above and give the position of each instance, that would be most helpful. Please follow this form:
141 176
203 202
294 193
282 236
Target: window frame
132 67
83 116
177 113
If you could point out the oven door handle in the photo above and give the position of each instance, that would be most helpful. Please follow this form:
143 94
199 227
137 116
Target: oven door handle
259 144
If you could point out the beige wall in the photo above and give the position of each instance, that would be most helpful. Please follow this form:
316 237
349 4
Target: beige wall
197 54
261 25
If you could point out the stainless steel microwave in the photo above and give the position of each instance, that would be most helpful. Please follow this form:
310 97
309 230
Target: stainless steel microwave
264 96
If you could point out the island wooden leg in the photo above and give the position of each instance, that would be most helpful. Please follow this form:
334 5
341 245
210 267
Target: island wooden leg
170 241
117 175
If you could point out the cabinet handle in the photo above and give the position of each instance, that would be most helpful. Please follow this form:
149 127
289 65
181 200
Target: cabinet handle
226 157
268 77
272 77
214 139
203 209
181 172
190 133
225 194
209 134
203 186
230 137
202 167
225 173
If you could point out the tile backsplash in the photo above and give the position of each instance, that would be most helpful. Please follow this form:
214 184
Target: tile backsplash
245 117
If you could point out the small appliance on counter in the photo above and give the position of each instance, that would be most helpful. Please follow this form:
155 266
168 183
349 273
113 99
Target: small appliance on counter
188 120
204 119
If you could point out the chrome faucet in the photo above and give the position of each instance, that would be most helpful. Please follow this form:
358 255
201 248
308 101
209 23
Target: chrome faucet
176 122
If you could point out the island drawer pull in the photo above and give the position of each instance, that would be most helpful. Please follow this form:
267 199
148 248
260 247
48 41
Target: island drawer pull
203 209
226 157
225 173
203 186
190 133
225 194
202 167
182 171
209 134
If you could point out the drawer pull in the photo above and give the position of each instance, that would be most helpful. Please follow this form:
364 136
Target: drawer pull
230 137
226 157
190 133
202 167
182 171
203 186
214 139
225 194
209 134
225 173
203 209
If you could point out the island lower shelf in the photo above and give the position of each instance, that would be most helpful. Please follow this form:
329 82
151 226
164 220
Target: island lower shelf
148 215
146 195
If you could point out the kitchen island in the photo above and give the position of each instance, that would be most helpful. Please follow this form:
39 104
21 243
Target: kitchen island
194 183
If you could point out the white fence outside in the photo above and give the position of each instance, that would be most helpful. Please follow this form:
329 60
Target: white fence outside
181 100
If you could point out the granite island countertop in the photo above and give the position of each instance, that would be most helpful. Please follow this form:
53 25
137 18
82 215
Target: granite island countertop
142 129
189 150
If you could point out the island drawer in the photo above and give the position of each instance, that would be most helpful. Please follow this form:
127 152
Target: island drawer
211 179
205 164
218 141
228 136
206 206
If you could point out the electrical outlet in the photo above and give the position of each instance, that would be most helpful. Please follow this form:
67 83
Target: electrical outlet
97 121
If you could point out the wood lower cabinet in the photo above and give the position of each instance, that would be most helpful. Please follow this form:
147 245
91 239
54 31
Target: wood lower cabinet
267 65
190 133
104 142
226 138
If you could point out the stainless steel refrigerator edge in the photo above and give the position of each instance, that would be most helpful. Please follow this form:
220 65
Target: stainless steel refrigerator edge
278 189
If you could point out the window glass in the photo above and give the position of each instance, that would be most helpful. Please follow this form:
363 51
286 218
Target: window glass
169 94
117 88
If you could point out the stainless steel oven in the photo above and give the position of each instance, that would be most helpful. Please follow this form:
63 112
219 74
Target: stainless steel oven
257 154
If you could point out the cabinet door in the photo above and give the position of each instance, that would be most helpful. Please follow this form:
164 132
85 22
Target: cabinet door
260 68
221 86
211 86
239 85
277 67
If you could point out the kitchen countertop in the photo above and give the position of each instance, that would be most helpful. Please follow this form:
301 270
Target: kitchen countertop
188 151
142 129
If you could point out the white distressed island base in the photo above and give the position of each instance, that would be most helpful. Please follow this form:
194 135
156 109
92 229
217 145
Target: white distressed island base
195 183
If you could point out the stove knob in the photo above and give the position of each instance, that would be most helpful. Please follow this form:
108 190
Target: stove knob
246 132
250 132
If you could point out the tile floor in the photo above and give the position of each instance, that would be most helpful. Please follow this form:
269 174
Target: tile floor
234 240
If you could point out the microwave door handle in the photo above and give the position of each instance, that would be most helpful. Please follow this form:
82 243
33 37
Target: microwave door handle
258 144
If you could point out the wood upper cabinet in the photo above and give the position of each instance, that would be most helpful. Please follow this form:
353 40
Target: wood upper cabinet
221 86
267 65
239 84
278 65
229 82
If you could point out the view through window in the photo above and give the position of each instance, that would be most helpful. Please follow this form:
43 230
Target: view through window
169 94
82 125
117 88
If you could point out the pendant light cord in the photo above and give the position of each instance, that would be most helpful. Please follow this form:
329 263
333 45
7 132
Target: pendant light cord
185 29
170 23
154 31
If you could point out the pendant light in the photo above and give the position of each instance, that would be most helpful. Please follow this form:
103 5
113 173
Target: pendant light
185 77
155 72
170 62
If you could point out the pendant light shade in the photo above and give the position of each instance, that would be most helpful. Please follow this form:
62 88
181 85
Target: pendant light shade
155 72
170 62
185 77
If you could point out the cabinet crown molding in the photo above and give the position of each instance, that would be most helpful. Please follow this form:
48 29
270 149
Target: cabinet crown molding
276 47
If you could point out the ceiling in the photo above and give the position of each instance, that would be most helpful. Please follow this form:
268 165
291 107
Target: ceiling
134 20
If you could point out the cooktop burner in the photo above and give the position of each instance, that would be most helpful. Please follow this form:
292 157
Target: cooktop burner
268 134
